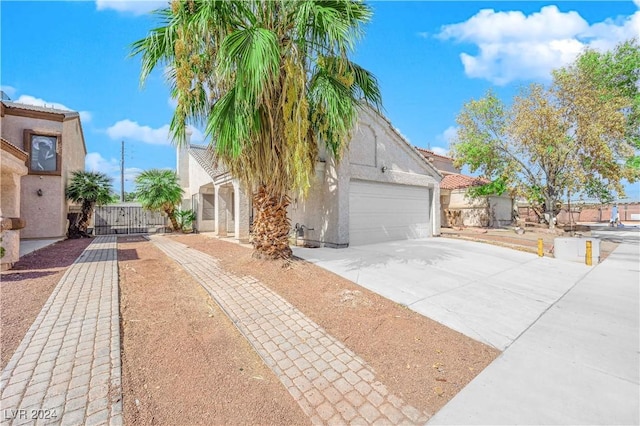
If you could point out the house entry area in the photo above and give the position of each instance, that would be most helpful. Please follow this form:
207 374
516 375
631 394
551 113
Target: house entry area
122 219
381 212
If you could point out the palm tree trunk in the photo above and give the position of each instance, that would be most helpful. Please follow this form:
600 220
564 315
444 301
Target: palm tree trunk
172 218
271 225
85 217
80 221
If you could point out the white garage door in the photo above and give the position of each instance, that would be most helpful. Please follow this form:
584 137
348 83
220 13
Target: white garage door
385 212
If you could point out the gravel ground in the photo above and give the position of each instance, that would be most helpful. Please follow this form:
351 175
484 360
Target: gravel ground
418 359
184 362
25 288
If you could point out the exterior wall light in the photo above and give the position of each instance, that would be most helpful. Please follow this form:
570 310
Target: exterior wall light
384 169
39 192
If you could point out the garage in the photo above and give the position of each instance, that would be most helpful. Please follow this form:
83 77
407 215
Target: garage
381 212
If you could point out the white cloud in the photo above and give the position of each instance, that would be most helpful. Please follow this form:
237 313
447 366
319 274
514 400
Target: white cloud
95 162
135 7
127 129
450 134
9 90
85 116
173 103
637 2
513 46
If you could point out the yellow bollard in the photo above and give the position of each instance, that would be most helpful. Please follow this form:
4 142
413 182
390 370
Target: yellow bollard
540 248
588 255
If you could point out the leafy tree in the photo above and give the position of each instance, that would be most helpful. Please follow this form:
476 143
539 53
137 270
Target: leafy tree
130 197
160 190
571 138
271 81
617 71
88 189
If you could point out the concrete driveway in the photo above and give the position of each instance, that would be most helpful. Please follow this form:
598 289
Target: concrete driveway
570 334
489 293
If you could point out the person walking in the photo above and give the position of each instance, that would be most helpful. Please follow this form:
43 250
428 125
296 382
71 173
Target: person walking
615 216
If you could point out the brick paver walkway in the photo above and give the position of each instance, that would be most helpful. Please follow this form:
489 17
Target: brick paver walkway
330 382
67 368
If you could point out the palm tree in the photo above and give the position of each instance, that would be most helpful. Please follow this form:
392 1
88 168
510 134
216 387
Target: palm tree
270 81
160 190
88 189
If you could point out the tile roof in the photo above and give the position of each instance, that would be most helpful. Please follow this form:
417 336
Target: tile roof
66 113
205 157
458 181
430 153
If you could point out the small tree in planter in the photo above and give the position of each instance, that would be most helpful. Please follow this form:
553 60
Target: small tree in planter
88 189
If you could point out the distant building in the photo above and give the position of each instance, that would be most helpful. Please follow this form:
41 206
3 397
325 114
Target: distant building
457 209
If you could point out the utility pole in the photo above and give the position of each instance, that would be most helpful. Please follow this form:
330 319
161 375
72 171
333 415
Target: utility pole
122 173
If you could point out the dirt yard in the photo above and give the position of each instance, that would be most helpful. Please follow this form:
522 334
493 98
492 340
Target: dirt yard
184 363
418 359
25 289
528 241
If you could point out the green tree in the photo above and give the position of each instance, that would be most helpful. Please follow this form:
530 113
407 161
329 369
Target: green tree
271 82
617 71
569 139
88 189
129 197
159 190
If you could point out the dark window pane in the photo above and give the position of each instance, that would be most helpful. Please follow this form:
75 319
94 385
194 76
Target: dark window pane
43 153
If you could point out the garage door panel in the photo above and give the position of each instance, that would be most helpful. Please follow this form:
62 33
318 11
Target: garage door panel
385 212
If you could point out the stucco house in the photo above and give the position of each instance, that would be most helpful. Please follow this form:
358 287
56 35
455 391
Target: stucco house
50 143
14 166
381 190
457 208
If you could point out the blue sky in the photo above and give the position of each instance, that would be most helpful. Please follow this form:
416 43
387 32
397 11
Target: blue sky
429 57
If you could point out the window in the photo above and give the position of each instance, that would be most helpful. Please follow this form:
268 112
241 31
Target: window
44 152
208 212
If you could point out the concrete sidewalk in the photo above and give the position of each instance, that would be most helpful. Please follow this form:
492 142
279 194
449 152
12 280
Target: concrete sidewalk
67 368
578 364
570 333
28 246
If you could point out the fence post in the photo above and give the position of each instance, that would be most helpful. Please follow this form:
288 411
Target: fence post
588 255
540 247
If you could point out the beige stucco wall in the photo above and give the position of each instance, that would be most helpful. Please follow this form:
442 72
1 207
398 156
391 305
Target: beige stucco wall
12 170
443 165
324 211
374 144
198 181
484 211
46 215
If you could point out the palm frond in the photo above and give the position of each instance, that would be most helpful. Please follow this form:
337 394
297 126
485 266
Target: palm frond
92 187
157 188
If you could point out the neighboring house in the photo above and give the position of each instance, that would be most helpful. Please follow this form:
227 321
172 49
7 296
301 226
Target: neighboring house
457 209
53 142
461 210
442 163
13 168
382 190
